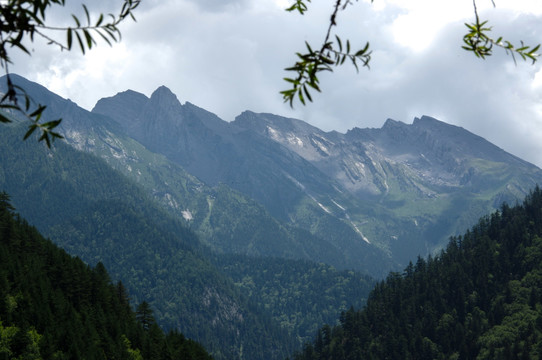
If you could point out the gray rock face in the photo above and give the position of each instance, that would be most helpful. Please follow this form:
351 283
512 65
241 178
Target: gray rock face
401 189
386 185
426 154
219 152
132 102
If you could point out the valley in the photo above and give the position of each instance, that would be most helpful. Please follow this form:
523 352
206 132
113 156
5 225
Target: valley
249 236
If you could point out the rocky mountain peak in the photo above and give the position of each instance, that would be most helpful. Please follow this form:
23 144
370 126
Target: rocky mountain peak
275 126
426 120
124 107
397 131
164 98
163 92
427 123
250 120
390 124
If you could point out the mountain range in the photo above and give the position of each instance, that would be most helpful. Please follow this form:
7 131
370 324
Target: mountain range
369 199
394 193
234 306
227 210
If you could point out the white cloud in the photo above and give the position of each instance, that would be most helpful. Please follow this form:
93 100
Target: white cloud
229 56
220 5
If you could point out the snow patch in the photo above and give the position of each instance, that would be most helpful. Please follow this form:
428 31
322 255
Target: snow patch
297 183
324 208
360 233
76 138
171 201
319 204
274 134
294 140
323 139
337 204
360 167
187 215
321 146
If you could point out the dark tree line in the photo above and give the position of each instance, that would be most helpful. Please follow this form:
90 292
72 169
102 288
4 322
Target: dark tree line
481 298
54 306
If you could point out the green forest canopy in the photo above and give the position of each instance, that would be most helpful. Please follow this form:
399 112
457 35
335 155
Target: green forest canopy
54 306
481 298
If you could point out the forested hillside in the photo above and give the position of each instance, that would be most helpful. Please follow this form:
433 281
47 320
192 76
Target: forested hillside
481 298
300 295
53 306
94 212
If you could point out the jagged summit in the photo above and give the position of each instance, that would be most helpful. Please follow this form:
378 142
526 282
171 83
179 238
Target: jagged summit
426 119
129 94
391 123
265 123
163 90
165 96
133 104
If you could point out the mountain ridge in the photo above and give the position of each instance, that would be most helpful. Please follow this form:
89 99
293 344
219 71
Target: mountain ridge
400 190
220 152
263 185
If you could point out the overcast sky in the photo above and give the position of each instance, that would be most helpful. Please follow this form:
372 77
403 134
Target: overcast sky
228 56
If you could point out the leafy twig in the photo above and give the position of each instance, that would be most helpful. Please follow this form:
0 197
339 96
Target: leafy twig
331 54
481 44
22 19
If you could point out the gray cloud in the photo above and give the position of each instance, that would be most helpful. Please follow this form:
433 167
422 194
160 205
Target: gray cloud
219 5
493 98
229 56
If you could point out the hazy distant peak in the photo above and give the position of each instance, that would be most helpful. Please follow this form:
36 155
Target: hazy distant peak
428 121
124 107
133 94
269 122
128 97
130 92
247 113
250 120
164 94
392 123
161 89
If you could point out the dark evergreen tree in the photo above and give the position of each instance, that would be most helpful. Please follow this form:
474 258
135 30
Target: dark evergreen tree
53 306
478 299
144 315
